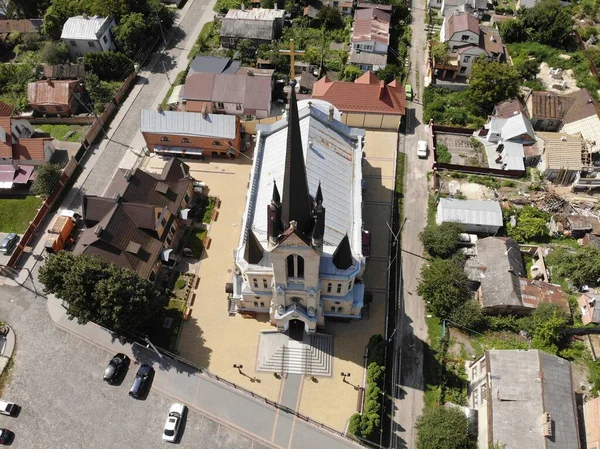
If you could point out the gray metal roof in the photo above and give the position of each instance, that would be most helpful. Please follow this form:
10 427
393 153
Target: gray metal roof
214 64
523 386
247 28
79 27
516 126
188 124
470 212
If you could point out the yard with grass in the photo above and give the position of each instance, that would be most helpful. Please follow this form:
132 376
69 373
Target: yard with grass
67 133
196 242
16 213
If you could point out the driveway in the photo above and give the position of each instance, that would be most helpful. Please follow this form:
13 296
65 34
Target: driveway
57 380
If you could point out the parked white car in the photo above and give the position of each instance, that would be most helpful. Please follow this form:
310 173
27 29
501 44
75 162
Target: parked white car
7 408
173 422
422 149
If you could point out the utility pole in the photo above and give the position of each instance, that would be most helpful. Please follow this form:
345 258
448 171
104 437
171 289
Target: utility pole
292 53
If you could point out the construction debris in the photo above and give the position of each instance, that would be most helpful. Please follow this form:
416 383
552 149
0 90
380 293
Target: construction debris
550 202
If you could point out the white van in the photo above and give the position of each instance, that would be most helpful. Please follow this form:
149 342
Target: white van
422 149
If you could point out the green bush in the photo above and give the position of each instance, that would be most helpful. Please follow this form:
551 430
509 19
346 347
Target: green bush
375 374
443 154
469 315
376 350
180 283
531 224
109 65
441 240
488 181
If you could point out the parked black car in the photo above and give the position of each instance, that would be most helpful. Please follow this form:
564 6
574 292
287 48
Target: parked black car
115 368
142 380
5 436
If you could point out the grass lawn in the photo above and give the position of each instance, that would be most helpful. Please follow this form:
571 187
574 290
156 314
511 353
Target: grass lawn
167 338
60 131
196 242
15 214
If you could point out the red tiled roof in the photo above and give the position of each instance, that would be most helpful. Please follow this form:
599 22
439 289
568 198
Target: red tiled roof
366 94
50 92
6 147
460 22
371 24
30 149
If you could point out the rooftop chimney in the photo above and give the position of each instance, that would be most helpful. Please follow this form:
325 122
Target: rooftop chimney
331 110
85 16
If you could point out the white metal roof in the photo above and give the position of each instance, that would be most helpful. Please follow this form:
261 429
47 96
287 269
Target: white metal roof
188 124
470 212
333 157
255 14
79 27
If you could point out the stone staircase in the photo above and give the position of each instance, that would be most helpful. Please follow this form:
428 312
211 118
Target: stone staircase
277 353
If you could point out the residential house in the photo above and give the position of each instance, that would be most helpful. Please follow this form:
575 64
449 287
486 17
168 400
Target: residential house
54 97
345 8
191 134
21 26
523 399
244 95
591 417
546 110
20 142
508 108
213 64
368 102
589 306
84 34
499 270
516 128
140 220
476 217
370 39
262 26
476 7
466 41
298 261
12 174
582 116
563 156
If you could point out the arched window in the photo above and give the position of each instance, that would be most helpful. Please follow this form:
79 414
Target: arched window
255 304
255 281
216 143
339 288
339 309
332 309
164 139
262 304
290 265
349 285
300 261
265 285
329 287
185 140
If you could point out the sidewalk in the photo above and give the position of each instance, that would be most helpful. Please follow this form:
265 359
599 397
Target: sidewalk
235 409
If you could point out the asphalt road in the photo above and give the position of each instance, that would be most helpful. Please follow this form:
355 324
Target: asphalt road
57 381
411 327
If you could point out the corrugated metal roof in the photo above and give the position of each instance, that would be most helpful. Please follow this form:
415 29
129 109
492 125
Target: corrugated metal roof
470 211
188 124
333 159
516 126
255 14
82 28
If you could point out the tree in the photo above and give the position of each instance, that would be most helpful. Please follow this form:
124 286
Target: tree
492 82
469 315
57 14
390 73
441 240
580 266
547 22
376 350
100 92
531 224
330 18
375 373
527 68
443 428
351 72
549 323
132 33
512 31
108 65
439 52
54 53
47 176
444 285
102 293
247 50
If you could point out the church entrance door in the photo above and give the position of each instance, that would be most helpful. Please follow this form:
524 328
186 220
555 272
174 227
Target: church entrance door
296 330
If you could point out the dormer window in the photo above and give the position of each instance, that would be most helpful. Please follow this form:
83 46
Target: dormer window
465 37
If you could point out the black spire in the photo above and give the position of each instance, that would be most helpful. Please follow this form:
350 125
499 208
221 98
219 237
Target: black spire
319 197
296 204
254 250
275 199
342 257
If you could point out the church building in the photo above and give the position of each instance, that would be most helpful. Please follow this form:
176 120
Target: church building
299 257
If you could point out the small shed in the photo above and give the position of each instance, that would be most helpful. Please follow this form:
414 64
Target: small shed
477 217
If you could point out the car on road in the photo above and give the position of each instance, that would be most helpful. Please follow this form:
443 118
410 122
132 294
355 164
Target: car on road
422 149
7 408
142 381
173 423
8 243
115 368
5 436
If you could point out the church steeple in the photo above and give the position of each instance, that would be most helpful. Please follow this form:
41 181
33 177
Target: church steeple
342 256
274 226
319 221
296 202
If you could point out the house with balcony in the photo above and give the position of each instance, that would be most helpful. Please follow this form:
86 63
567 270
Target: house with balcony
139 220
370 39
466 40
523 399
84 34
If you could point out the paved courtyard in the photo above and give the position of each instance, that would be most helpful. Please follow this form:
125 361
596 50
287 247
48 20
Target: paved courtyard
57 380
